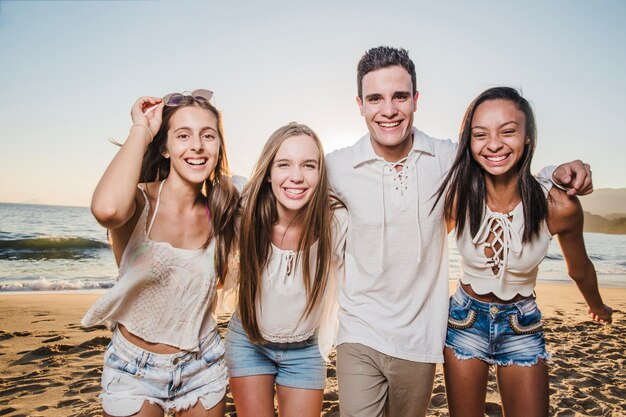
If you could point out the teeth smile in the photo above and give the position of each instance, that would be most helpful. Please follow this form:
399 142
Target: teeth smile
496 158
388 124
293 191
200 161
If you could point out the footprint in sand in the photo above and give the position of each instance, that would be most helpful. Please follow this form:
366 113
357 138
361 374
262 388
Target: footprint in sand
54 339
5 336
96 342
69 402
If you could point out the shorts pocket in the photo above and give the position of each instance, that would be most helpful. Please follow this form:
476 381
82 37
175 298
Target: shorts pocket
115 362
461 318
528 323
214 352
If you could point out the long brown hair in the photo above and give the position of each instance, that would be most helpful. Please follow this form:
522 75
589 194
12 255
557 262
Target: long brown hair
464 190
259 214
221 196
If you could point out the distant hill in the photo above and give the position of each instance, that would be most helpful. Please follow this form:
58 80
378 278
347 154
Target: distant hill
599 224
606 202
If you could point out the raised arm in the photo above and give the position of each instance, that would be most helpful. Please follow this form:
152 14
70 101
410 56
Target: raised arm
113 201
566 221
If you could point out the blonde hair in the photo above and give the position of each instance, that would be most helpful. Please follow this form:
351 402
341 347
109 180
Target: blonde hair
259 214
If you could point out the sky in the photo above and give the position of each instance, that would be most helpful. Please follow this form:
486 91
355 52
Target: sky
70 71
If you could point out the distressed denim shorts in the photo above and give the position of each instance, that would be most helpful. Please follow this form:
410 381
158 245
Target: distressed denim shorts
296 365
499 334
175 382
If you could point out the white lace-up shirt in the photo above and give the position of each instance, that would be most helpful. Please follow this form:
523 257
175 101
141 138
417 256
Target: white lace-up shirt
395 296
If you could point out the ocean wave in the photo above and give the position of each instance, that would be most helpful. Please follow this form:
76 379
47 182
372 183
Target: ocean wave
554 256
49 247
43 284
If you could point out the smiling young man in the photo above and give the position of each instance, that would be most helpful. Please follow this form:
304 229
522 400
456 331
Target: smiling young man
394 302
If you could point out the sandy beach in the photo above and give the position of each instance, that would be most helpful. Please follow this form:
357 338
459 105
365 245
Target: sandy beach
50 365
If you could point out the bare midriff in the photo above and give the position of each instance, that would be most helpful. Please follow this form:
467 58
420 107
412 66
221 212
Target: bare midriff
490 297
160 348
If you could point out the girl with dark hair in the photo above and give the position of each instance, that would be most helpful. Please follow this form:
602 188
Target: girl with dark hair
504 220
292 238
168 202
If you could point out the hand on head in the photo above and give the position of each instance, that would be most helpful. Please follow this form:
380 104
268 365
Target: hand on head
148 111
575 176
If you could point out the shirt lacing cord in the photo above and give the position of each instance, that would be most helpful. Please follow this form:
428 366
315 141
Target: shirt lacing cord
402 163
505 239
288 257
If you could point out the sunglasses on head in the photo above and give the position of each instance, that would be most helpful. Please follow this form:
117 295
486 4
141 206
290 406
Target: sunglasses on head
176 99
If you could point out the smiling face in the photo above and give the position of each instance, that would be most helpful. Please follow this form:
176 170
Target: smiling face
388 106
294 174
498 136
193 144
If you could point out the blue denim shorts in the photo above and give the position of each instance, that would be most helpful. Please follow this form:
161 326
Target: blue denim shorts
499 334
132 375
296 365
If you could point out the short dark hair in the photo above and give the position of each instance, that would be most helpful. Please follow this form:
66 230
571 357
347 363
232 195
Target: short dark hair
383 57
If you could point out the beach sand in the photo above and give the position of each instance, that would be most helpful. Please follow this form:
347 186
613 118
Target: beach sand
51 366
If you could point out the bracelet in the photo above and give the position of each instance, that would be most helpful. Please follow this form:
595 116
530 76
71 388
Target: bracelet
145 127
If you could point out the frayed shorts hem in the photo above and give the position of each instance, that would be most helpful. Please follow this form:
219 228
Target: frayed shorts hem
117 406
460 355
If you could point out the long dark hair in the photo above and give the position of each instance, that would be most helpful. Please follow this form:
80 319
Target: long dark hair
221 196
464 186
259 214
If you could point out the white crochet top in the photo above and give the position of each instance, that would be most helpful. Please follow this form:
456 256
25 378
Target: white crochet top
163 294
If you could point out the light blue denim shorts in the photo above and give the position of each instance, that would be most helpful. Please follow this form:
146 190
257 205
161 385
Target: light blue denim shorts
499 334
296 365
132 375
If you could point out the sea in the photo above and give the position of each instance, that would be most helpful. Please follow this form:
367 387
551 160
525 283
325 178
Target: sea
59 248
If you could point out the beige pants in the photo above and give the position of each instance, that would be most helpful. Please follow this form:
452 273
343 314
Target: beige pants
372 384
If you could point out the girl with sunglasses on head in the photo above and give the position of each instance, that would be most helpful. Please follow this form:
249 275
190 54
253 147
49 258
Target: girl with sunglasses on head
168 202
504 220
292 234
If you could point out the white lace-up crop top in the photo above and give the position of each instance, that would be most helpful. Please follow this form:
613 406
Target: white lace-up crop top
514 265
163 294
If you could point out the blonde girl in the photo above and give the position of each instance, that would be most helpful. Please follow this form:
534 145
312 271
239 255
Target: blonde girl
291 253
